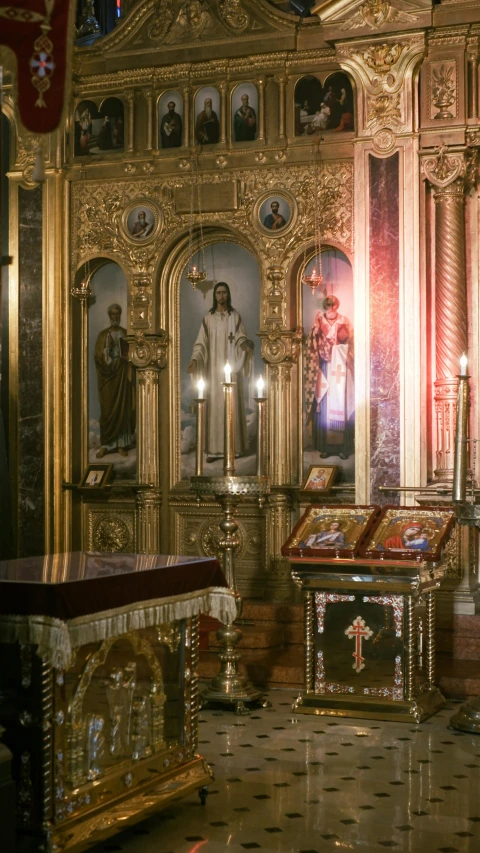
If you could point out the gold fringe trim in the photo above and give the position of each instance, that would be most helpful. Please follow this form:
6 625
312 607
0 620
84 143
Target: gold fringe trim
56 639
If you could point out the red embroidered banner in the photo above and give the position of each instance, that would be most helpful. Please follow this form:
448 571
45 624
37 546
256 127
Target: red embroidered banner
40 35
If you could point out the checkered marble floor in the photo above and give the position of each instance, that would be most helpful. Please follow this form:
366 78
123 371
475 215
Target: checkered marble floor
300 784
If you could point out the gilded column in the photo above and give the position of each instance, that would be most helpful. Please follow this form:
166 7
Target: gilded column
446 174
472 56
223 112
280 350
149 142
282 82
260 84
148 354
131 122
186 115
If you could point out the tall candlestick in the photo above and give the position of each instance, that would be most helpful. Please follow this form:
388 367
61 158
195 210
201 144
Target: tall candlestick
228 427
459 491
260 401
200 401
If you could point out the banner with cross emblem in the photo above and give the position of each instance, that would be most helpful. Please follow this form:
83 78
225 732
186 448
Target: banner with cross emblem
40 34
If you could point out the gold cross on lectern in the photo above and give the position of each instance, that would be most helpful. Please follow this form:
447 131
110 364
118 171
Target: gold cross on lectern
358 631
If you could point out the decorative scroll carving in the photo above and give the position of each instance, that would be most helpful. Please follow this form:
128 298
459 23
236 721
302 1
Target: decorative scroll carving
374 14
444 169
384 70
233 15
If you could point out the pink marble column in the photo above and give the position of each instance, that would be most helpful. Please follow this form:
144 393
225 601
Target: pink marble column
450 316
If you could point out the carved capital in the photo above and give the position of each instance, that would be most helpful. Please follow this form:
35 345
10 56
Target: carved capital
281 345
148 351
444 169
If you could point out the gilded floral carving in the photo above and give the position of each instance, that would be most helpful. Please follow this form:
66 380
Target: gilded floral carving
384 110
443 88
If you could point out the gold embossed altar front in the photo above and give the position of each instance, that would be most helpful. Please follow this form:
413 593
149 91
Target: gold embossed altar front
100 671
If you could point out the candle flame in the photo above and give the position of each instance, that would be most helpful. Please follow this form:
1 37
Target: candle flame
260 386
463 364
228 373
200 388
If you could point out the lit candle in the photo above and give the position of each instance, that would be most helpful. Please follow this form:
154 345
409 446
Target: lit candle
459 491
228 426
200 428
463 365
84 284
228 373
260 386
194 268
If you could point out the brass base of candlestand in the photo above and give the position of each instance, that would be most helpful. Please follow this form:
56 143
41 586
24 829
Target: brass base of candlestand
467 718
228 687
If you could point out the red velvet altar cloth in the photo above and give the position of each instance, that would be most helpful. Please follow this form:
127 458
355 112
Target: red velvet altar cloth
79 583
40 33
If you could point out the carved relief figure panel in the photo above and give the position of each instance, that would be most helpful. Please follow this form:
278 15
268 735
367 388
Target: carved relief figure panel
99 129
207 116
111 386
244 112
319 108
218 323
170 120
328 378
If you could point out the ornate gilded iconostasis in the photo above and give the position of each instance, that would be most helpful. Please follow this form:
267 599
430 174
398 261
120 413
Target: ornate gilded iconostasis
257 146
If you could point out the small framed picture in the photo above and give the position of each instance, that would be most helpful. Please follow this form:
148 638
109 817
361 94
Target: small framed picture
410 533
97 475
319 478
275 213
142 221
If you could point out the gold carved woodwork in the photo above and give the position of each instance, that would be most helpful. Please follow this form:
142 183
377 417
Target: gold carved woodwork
197 534
111 530
374 14
148 350
384 71
443 79
281 345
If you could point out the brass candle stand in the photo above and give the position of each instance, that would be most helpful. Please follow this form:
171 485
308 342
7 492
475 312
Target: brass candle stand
467 718
229 687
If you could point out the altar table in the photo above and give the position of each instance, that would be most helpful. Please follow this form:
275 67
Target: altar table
98 688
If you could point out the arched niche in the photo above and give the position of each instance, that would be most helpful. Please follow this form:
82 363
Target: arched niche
338 95
86 113
308 98
110 134
108 407
170 119
207 116
228 261
327 364
244 112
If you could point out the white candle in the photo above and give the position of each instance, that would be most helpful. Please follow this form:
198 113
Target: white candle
463 365
260 386
200 388
228 373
